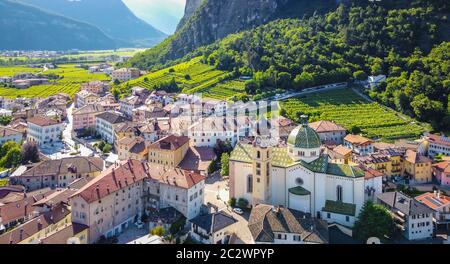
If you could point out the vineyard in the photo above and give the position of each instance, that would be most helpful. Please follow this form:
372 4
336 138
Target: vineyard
347 108
70 81
192 77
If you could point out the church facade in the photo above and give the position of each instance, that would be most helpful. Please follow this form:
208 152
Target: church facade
297 176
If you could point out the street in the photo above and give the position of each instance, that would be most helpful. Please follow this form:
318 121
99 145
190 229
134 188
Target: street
217 193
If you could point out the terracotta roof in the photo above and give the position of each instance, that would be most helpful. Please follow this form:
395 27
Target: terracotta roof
116 177
438 139
20 209
413 157
370 173
5 131
357 139
177 177
342 150
72 164
88 109
33 226
433 201
197 159
326 126
57 197
443 166
42 121
135 144
171 142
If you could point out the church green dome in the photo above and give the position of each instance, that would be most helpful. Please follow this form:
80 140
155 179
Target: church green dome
304 136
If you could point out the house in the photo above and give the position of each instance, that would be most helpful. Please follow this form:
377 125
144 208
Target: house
9 134
414 218
279 225
95 87
38 228
388 161
213 228
374 81
297 176
71 233
125 74
43 130
207 132
417 167
174 187
198 159
169 150
440 204
373 183
358 144
132 148
339 154
85 97
441 171
59 173
128 104
438 144
112 201
84 117
329 131
105 124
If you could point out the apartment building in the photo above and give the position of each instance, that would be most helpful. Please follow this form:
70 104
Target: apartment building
58 173
105 124
84 117
85 97
417 167
358 144
43 130
329 131
9 134
438 144
440 204
169 150
125 74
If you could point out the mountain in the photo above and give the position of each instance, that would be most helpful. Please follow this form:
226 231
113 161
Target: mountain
113 17
206 21
29 28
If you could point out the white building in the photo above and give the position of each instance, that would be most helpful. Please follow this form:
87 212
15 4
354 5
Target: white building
414 218
440 204
9 134
105 124
329 131
44 130
359 144
177 188
298 177
125 74
438 144
206 132
213 228
374 81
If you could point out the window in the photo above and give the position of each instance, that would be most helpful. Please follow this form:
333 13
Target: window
249 183
339 193
347 218
258 154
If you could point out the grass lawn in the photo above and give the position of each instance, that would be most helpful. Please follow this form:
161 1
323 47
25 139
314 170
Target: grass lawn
347 108
4 182
72 78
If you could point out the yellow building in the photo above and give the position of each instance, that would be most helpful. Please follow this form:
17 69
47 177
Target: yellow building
417 167
387 161
132 148
169 150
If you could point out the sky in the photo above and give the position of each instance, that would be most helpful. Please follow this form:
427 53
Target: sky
162 14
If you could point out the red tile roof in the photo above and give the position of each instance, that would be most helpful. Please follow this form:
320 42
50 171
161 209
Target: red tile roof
443 166
42 121
171 142
118 176
433 201
326 126
413 157
438 139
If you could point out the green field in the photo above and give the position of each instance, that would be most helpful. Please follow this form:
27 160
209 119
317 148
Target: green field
10 71
70 83
103 53
347 108
203 78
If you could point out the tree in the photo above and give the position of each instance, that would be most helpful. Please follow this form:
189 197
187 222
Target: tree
284 80
30 152
359 75
355 130
5 120
116 82
427 109
224 160
232 202
158 231
12 159
304 80
6 147
107 149
373 221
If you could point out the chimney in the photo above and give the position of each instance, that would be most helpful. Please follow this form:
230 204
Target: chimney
438 194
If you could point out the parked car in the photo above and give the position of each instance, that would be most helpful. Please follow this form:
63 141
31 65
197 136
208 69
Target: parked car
238 211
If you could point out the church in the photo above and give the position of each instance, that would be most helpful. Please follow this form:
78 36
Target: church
297 175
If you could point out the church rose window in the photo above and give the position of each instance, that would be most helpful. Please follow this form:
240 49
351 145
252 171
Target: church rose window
299 181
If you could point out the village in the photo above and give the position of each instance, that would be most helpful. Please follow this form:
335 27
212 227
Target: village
158 167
